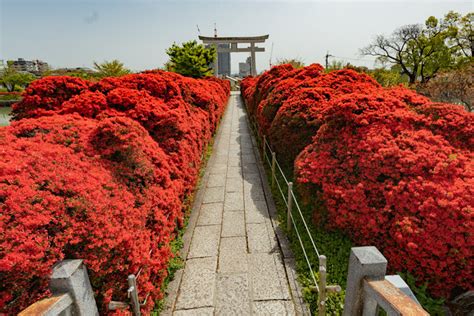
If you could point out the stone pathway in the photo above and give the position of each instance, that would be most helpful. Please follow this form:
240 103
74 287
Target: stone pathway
237 260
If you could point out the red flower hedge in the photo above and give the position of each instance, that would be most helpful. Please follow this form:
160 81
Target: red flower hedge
100 172
386 166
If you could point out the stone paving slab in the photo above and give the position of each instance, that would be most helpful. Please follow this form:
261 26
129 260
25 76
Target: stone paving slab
268 282
205 241
211 214
234 162
234 201
256 211
248 158
234 262
280 308
216 180
233 255
234 172
233 224
233 295
252 178
206 311
219 169
234 185
250 168
197 286
259 239
213 195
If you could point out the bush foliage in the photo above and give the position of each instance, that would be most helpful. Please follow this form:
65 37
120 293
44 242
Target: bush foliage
384 165
100 171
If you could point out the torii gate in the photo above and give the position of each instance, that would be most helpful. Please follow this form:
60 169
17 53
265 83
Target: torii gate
234 41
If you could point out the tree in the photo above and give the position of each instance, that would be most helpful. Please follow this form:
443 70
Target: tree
11 78
461 32
423 50
456 86
295 62
191 59
389 77
112 68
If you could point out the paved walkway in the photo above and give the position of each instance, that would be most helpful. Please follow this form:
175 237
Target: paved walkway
235 263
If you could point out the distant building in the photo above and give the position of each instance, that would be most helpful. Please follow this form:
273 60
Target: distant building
42 66
24 65
33 66
244 68
2 65
223 61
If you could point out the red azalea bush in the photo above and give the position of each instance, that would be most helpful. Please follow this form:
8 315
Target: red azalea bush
101 173
297 121
451 122
410 97
386 166
44 96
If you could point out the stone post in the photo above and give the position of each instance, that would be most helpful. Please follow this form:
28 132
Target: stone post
363 262
253 65
70 276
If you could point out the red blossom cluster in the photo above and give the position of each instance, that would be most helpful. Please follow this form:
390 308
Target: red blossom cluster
385 165
100 171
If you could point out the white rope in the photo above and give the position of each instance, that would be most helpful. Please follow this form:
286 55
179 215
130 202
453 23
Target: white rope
281 171
305 225
268 145
304 252
281 191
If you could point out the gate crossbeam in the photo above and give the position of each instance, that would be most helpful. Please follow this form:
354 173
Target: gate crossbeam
234 47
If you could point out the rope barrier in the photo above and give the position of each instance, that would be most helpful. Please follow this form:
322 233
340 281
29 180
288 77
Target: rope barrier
305 225
304 252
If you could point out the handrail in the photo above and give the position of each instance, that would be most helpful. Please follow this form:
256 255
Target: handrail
71 289
390 299
55 305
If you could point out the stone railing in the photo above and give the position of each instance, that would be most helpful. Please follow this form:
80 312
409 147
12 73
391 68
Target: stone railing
72 293
369 289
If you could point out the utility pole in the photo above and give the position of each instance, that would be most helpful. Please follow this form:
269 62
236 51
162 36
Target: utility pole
327 59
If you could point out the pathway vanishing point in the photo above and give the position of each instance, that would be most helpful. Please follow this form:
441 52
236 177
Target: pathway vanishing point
237 259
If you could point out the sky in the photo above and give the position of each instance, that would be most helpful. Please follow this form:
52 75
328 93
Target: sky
74 33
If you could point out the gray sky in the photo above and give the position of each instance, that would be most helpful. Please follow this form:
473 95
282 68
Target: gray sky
71 33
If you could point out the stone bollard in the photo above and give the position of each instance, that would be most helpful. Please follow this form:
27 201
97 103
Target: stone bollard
70 276
363 262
